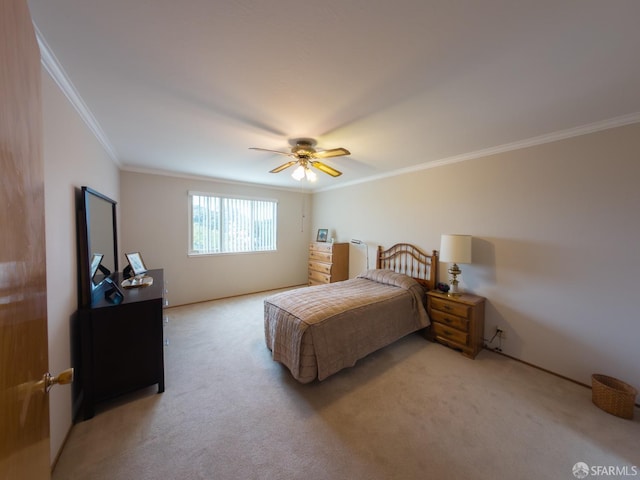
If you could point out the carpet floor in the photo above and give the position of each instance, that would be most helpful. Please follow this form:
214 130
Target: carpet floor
413 410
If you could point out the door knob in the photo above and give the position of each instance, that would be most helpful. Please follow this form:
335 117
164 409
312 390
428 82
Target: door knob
62 378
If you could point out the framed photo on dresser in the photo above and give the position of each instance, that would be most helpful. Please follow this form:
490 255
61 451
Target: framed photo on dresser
137 265
322 235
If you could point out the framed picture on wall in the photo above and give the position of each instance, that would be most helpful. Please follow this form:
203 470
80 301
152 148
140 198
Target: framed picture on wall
137 265
322 234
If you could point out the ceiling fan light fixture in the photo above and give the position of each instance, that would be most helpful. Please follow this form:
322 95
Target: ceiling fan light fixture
311 175
298 173
304 171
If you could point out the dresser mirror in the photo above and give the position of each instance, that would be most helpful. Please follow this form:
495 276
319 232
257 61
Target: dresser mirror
97 242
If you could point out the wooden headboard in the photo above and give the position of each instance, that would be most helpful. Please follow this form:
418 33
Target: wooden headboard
410 260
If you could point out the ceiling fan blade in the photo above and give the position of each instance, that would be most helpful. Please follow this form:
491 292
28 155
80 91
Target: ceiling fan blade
334 152
326 169
283 166
288 154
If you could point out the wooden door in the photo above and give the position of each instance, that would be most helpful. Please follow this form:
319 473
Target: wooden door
24 406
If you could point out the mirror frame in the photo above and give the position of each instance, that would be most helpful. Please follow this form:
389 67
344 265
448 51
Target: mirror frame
86 286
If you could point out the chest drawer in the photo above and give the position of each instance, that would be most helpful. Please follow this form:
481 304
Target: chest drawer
320 256
450 320
321 247
447 333
320 267
450 307
318 277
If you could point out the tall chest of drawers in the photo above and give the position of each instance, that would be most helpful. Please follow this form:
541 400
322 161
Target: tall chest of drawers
328 262
456 321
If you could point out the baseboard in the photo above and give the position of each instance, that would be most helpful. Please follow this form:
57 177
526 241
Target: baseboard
64 443
543 369
236 296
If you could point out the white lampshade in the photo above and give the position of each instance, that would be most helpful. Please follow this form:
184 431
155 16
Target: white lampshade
455 248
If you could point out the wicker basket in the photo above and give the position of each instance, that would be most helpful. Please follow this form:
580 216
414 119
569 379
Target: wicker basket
613 395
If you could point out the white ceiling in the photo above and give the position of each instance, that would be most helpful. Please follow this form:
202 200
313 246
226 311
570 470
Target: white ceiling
186 87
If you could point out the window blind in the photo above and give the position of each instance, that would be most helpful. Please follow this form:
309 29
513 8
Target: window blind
231 225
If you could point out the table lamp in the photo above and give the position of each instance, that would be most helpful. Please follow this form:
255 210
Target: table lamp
455 249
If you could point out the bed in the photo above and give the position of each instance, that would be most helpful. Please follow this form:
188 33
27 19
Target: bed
317 331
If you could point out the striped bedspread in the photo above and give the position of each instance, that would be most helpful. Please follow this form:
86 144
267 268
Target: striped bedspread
317 331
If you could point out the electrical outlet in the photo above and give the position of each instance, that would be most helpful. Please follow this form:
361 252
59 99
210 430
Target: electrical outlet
501 333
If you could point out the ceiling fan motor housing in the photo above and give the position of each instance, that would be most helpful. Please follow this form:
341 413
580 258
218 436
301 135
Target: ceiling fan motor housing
303 147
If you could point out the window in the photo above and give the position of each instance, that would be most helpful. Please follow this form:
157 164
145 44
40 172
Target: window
231 225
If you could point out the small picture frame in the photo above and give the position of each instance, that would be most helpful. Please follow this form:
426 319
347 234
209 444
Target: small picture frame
96 258
323 233
137 265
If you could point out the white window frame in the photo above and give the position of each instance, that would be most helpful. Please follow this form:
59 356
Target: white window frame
225 241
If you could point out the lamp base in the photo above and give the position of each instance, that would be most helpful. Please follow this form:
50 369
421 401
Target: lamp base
454 291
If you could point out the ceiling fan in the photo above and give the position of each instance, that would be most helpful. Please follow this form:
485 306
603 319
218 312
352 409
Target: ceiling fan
305 156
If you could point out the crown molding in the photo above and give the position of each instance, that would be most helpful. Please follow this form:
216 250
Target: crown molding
207 178
57 73
507 147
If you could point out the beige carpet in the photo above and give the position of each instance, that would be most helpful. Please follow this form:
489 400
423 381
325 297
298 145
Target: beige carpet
414 410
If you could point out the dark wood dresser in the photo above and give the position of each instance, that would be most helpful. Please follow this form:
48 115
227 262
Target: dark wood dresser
119 346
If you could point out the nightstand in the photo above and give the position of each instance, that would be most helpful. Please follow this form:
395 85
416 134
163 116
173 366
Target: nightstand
456 321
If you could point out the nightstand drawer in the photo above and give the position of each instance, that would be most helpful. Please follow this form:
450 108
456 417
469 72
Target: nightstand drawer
450 307
450 320
448 333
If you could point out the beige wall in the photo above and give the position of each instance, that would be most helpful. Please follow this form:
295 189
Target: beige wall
154 219
72 158
555 247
